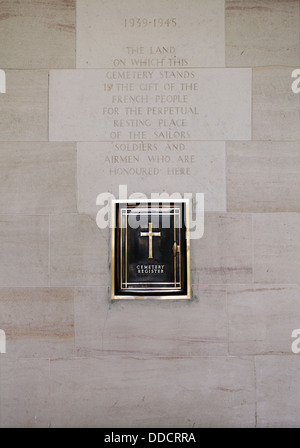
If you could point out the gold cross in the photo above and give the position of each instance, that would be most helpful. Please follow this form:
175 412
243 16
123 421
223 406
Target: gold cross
150 234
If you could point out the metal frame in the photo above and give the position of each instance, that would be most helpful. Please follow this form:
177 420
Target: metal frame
114 203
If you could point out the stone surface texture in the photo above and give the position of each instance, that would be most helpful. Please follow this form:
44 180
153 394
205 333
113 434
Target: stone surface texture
71 130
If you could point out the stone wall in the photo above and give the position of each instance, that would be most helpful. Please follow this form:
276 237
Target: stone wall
224 358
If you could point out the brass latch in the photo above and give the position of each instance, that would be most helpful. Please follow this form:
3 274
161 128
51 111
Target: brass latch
176 249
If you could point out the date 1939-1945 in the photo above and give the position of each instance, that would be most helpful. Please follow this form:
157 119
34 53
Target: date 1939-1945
143 22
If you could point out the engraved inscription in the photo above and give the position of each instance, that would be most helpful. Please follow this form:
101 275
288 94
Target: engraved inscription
150 268
150 105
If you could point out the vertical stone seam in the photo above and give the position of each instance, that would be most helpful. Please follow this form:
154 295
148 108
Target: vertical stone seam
49 391
49 250
252 103
225 52
227 319
50 394
299 52
226 174
252 247
48 121
76 64
76 180
255 390
74 324
1 391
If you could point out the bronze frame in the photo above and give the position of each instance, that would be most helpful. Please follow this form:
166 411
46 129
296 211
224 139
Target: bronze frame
114 203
